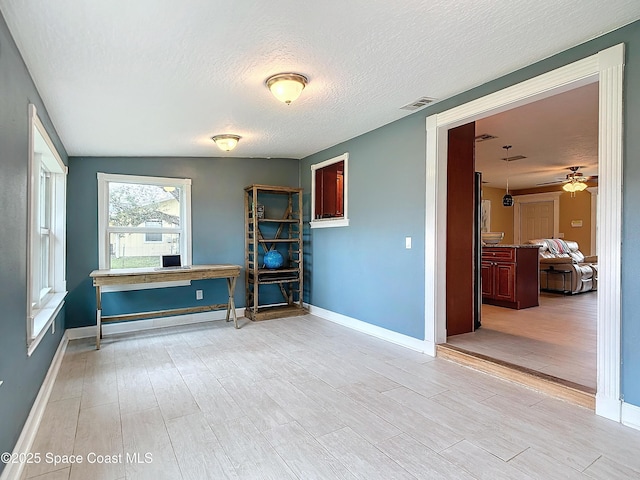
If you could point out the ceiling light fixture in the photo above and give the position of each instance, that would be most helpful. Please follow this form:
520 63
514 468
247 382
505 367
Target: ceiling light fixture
226 142
507 200
286 87
576 182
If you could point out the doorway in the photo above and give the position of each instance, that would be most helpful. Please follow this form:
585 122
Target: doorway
607 67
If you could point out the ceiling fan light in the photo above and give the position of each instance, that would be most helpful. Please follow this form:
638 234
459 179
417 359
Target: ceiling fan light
286 87
226 142
574 186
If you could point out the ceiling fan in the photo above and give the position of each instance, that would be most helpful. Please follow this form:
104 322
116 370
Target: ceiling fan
574 181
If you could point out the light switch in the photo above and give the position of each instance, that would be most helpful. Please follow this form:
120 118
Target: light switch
407 242
198 294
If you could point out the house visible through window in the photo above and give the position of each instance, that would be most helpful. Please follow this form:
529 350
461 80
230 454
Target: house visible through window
329 192
153 237
47 226
142 218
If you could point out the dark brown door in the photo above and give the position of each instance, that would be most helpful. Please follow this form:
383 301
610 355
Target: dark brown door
460 229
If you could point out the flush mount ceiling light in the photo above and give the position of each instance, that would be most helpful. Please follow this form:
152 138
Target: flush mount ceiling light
226 142
286 87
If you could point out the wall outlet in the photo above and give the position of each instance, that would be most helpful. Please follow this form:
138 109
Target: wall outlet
407 242
199 295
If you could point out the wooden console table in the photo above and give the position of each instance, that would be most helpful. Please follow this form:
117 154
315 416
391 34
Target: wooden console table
103 278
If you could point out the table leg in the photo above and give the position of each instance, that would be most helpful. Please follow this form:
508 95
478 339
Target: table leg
98 316
231 304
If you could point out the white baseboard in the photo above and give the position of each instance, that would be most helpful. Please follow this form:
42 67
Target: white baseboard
608 407
139 325
373 330
630 415
30 429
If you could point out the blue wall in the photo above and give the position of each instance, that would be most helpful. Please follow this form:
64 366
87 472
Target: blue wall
363 270
217 205
22 375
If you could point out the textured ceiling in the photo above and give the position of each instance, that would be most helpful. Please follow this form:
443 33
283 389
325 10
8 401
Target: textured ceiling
160 77
553 134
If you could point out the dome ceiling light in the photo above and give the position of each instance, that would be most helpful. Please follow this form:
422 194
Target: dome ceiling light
226 142
286 87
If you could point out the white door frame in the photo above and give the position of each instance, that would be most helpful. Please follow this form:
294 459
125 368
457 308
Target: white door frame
606 67
518 200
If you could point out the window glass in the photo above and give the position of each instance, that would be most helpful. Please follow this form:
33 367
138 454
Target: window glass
141 219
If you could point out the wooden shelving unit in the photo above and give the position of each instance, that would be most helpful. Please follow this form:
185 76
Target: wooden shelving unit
279 228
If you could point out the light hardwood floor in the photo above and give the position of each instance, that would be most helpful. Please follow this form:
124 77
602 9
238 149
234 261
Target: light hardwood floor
557 338
303 398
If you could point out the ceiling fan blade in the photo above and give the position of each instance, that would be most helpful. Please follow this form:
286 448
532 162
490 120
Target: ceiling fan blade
551 183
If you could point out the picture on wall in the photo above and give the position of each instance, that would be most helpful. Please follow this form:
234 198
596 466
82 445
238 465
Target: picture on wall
486 216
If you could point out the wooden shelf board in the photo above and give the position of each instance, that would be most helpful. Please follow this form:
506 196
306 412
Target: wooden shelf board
275 220
277 311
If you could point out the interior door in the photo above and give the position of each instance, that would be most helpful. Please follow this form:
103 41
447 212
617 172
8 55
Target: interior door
536 220
460 283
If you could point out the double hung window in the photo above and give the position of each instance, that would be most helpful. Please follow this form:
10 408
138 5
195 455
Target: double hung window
47 226
142 218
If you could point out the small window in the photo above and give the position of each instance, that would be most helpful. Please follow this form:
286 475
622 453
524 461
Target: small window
329 193
47 227
142 218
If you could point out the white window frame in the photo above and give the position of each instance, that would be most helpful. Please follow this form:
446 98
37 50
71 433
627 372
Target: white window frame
104 230
330 222
44 304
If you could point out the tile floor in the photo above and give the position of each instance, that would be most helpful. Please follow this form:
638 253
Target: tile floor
303 398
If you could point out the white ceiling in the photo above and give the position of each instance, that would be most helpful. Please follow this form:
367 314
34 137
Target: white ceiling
160 77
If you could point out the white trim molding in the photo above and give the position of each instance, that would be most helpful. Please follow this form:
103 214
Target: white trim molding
607 68
534 198
630 415
331 222
373 330
30 429
609 234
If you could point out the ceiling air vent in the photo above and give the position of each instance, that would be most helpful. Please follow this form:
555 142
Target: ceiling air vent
513 159
419 103
484 137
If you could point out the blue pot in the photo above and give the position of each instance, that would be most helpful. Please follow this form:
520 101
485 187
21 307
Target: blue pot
273 259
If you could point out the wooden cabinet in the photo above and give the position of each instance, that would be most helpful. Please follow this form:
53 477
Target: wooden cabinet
510 276
273 221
